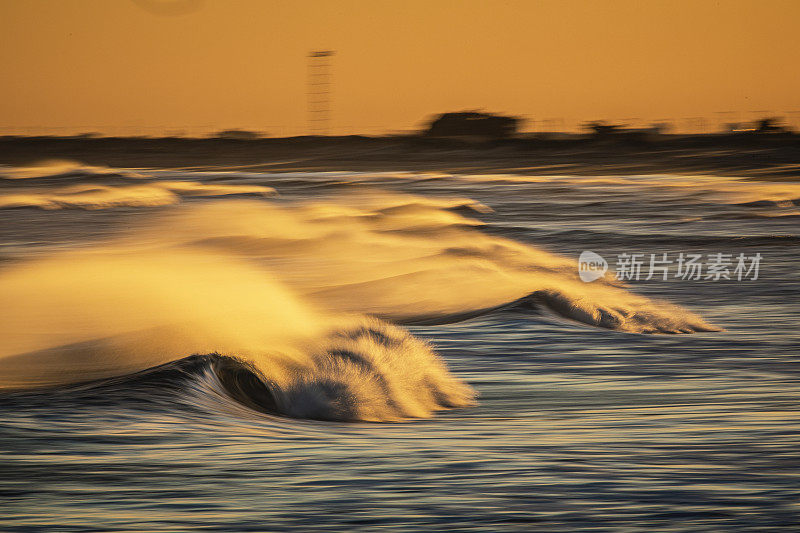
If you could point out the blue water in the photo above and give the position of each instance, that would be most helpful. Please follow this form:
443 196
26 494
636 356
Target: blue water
576 427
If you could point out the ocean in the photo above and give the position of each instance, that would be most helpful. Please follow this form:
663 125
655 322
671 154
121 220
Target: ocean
229 349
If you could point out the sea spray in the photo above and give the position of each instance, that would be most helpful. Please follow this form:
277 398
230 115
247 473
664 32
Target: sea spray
300 294
410 260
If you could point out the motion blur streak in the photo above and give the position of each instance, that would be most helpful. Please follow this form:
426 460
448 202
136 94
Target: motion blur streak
283 288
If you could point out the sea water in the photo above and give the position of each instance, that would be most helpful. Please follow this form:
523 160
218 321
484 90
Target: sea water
231 350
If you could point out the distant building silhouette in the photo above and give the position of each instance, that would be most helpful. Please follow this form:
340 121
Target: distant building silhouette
473 124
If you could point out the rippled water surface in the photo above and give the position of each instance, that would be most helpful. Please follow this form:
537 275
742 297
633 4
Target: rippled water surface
575 427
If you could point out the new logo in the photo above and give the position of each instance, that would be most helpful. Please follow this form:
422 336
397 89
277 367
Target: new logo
591 266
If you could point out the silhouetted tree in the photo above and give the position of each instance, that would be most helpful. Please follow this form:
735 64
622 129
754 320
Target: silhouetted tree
601 128
769 125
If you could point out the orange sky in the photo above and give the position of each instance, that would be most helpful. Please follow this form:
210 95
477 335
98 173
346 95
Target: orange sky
117 67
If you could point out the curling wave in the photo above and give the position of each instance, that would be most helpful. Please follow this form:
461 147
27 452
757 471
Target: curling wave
370 371
300 296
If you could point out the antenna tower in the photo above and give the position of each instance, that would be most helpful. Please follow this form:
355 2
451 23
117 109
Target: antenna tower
319 92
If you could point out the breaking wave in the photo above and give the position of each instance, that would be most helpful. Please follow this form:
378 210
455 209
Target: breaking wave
289 305
370 371
107 196
68 184
412 260
64 170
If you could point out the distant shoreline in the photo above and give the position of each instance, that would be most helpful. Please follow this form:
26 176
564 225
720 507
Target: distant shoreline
754 156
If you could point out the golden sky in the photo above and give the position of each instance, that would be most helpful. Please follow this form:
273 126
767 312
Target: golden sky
149 66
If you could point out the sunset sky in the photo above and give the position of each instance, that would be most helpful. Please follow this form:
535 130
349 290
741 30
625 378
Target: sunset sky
125 66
